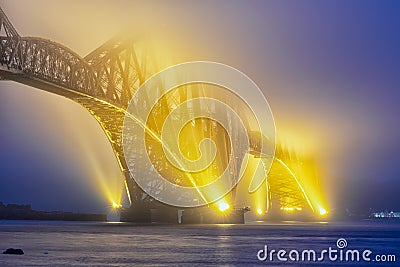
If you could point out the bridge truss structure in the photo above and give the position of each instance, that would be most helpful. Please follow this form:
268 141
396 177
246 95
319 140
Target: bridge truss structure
104 82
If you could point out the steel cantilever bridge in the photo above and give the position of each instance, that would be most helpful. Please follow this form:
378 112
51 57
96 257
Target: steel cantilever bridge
104 82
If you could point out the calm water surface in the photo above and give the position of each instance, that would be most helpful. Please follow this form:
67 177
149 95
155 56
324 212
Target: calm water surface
115 244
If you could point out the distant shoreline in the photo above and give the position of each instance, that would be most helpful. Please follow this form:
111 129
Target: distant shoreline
25 212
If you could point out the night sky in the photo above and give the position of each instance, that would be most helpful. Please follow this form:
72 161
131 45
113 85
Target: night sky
329 69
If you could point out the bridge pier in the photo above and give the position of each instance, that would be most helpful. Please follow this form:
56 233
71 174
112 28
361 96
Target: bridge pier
166 214
145 213
135 214
208 215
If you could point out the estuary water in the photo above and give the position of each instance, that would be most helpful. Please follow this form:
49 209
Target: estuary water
121 244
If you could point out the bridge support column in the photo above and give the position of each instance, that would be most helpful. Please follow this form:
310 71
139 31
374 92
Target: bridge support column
145 213
208 215
144 209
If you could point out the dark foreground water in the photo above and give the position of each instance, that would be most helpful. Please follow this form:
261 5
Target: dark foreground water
107 244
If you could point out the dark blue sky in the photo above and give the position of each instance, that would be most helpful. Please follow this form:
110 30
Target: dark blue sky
330 70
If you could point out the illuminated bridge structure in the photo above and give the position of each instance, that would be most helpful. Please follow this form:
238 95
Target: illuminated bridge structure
103 83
